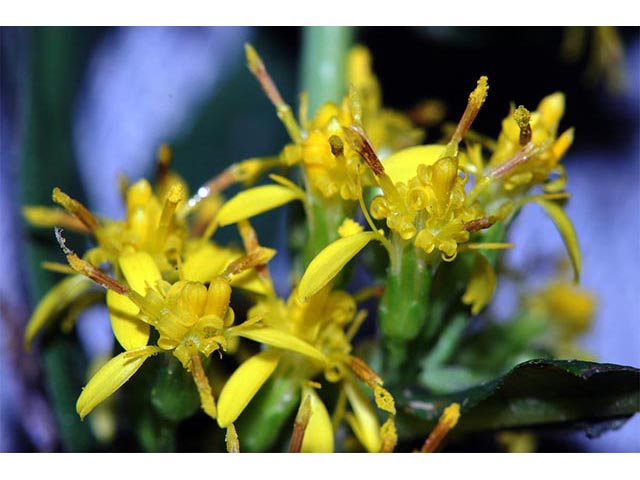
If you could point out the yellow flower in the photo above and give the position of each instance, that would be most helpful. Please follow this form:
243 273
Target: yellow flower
327 321
190 318
332 167
154 236
569 310
538 131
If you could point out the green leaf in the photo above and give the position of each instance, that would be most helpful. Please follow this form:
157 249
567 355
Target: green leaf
567 232
64 369
536 393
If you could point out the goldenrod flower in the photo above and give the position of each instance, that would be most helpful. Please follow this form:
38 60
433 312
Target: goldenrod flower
327 321
153 237
569 311
332 167
538 131
190 318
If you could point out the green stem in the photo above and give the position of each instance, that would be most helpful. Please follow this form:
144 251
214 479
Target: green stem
324 51
405 304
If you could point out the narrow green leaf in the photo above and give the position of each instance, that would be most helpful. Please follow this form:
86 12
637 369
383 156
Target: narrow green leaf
568 233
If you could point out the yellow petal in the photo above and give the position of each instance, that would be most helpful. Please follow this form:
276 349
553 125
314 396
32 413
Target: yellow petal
551 109
318 437
244 384
111 377
52 217
279 339
250 281
365 423
328 263
254 201
482 284
55 302
130 331
567 232
139 270
206 262
402 165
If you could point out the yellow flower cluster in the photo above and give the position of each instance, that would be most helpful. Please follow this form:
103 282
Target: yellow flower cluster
169 287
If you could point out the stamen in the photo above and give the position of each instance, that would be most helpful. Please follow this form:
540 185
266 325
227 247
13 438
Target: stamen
252 245
522 116
231 439
75 208
254 62
300 425
57 267
361 143
164 158
260 257
479 224
476 99
448 420
202 382
88 270
509 165
465 247
337 147
355 324
389 435
363 372
384 399
174 197
49 217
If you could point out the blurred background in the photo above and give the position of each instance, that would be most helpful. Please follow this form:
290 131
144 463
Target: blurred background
80 106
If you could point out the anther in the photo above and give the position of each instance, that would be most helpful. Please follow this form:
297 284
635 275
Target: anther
522 116
75 208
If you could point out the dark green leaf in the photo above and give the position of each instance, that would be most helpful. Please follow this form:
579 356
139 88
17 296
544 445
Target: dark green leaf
64 368
536 393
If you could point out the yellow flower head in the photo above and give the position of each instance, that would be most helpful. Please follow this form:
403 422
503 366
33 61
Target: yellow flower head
332 167
327 323
539 131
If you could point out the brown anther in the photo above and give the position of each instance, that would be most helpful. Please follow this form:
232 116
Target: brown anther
364 373
75 208
259 257
479 224
85 268
358 139
300 425
337 147
522 116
